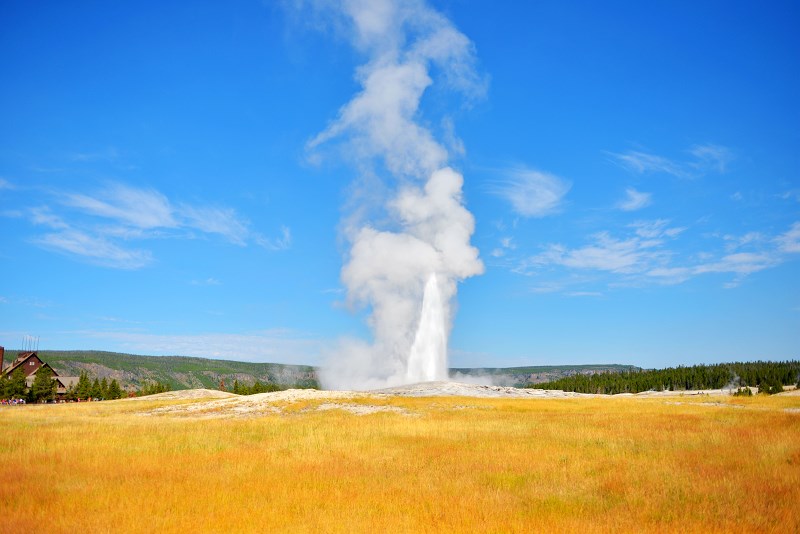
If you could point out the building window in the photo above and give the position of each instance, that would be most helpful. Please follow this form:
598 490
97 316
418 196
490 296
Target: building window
31 363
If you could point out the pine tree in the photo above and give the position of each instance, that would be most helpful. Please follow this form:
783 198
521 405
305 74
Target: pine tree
114 391
16 387
84 388
104 388
95 393
44 387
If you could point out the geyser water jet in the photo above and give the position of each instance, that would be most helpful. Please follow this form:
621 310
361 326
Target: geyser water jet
428 358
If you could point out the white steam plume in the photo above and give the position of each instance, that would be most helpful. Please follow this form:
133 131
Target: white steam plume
406 267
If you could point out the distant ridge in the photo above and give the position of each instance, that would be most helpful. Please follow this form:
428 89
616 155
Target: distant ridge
187 372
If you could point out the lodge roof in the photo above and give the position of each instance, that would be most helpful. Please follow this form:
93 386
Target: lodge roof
21 359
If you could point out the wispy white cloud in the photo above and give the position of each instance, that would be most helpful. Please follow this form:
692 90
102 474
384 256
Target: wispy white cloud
108 154
635 200
5 184
637 253
644 163
645 255
710 157
119 320
669 275
735 242
99 226
95 249
206 282
789 241
333 291
213 220
506 244
283 242
42 215
740 263
141 208
532 193
656 229
605 253
704 159
792 194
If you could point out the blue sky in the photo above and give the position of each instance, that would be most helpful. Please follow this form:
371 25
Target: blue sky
633 170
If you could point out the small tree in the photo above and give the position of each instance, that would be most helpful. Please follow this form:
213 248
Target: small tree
770 386
114 391
84 388
44 387
96 391
104 388
15 389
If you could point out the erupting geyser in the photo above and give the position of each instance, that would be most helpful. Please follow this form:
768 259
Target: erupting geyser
408 226
428 358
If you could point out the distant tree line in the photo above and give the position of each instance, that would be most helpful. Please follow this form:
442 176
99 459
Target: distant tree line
44 388
769 377
151 388
268 387
257 387
96 389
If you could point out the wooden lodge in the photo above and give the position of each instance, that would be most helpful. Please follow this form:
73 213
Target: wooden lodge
30 363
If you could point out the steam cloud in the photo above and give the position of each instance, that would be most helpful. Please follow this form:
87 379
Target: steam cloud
405 260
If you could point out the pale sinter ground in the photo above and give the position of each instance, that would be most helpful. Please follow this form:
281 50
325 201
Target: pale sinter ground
214 403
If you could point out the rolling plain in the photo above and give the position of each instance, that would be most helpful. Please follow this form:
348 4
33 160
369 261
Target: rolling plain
207 461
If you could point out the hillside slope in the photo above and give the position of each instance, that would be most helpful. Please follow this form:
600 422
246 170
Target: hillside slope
179 372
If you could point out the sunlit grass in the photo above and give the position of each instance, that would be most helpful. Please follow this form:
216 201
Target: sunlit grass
457 465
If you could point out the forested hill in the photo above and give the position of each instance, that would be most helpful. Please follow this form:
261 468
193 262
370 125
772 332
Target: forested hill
178 372
767 376
181 372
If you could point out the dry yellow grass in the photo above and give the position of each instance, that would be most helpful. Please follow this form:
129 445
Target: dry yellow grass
454 465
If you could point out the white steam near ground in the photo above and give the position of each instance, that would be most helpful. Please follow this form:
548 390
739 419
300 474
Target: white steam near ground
407 257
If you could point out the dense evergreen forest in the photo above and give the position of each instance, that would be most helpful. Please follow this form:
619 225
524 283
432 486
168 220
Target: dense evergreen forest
767 376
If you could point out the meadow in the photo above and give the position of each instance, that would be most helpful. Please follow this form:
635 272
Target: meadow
682 463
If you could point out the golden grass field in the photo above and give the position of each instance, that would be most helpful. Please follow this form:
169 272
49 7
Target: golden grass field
687 464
